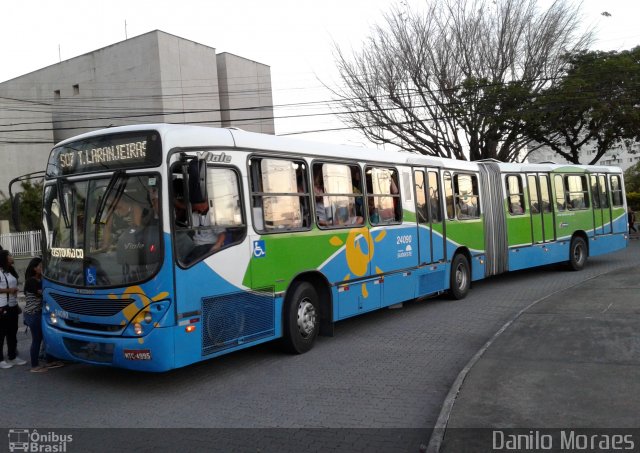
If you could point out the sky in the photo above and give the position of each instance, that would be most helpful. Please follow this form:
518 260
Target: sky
294 37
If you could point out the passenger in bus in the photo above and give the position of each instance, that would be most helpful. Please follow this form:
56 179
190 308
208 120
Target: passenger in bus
318 190
206 238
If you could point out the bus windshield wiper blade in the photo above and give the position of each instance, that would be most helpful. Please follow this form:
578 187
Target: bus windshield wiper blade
115 178
63 203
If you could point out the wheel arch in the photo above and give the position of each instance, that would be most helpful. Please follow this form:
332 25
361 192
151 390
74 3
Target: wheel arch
583 235
325 298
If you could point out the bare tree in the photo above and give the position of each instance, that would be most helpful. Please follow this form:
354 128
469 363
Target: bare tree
445 81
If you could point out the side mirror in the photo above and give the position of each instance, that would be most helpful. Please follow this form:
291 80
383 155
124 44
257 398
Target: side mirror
198 181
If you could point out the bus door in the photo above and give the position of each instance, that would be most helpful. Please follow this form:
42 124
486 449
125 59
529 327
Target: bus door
540 209
601 207
542 225
429 216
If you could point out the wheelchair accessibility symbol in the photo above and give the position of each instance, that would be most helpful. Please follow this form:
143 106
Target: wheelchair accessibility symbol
259 249
91 276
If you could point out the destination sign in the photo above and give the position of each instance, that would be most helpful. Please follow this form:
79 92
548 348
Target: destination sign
108 152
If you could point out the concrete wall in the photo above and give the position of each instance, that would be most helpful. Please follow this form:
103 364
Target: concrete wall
245 94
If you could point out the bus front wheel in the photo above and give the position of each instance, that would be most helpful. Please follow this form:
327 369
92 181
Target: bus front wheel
577 253
301 320
460 280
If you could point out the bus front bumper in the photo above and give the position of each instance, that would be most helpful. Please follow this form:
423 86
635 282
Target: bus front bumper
152 352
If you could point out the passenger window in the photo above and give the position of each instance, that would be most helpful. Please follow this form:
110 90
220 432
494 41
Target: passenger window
604 199
448 193
337 190
577 192
515 195
280 195
212 224
532 183
545 194
383 195
616 190
434 198
421 197
561 203
466 196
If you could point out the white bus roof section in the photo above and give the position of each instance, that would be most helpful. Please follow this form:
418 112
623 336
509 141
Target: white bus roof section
187 136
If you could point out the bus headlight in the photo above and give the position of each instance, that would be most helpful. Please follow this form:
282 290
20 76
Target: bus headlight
137 328
53 318
147 317
47 308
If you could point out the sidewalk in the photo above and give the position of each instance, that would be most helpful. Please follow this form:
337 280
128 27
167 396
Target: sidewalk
571 360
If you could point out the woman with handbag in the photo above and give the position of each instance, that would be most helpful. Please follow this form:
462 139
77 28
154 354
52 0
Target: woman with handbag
9 311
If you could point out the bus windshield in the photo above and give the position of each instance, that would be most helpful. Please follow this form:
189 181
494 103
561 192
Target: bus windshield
102 232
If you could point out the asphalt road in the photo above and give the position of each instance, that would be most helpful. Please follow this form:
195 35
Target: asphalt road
388 370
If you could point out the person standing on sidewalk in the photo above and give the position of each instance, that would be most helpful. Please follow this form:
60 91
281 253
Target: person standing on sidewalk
33 314
632 220
9 310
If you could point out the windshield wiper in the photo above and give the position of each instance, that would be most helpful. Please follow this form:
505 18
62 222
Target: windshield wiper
113 182
63 203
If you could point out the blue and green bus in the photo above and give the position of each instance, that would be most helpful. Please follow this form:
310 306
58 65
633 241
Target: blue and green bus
166 245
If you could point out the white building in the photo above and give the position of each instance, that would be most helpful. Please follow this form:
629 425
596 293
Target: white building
622 155
155 77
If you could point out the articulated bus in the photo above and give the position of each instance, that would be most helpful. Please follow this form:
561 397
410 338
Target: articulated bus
166 245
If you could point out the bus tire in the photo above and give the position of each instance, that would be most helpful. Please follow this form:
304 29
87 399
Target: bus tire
460 279
577 254
301 318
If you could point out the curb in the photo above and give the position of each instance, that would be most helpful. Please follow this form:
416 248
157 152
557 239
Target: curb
437 435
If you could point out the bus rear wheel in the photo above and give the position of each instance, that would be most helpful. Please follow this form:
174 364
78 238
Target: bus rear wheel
460 280
577 254
301 320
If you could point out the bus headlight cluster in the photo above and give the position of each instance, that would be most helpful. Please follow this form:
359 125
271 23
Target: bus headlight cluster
53 318
137 328
147 317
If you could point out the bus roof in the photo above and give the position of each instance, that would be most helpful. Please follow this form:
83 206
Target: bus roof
180 135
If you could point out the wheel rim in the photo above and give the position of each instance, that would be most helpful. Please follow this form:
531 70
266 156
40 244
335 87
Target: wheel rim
461 276
578 253
306 318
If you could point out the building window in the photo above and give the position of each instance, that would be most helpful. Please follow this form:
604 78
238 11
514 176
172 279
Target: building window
76 90
56 94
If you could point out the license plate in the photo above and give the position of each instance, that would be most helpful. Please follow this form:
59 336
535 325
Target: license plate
137 354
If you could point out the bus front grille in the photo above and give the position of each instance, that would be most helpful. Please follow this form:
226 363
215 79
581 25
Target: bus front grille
91 307
234 319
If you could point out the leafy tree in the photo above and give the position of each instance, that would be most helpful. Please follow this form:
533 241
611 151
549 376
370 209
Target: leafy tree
30 206
632 178
449 81
595 102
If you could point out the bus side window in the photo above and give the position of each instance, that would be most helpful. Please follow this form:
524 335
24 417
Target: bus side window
383 196
515 195
448 193
466 196
280 195
616 190
216 222
338 195
561 202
